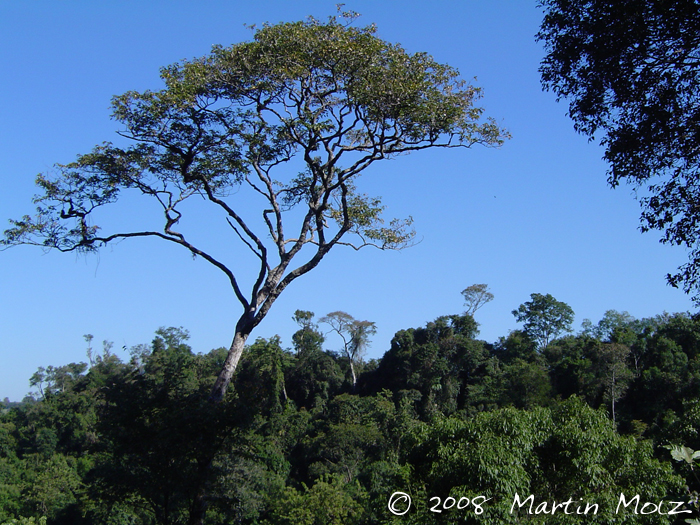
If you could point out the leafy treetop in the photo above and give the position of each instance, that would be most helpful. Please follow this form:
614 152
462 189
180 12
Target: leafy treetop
544 318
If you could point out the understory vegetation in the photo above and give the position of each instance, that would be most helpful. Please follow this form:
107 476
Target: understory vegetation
457 424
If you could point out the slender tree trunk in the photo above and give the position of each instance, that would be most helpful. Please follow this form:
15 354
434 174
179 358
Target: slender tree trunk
199 503
612 395
218 391
354 377
197 510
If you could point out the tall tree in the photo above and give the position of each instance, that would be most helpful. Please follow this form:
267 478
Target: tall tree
611 365
610 327
476 296
631 72
544 318
355 335
308 337
286 123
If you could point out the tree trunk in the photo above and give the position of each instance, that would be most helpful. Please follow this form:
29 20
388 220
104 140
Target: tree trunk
612 395
354 377
218 391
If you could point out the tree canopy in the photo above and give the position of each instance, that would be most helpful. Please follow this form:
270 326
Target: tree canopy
355 335
476 296
286 123
544 318
635 84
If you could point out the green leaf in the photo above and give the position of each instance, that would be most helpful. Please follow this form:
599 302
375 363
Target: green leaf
680 453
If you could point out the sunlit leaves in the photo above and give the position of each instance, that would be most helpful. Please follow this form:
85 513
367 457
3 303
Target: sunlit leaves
680 453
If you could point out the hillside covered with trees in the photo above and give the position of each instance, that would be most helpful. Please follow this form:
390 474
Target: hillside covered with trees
458 424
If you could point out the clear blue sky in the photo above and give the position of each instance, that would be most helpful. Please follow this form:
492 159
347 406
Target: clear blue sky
533 216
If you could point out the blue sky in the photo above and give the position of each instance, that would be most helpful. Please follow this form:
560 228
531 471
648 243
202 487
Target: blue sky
533 216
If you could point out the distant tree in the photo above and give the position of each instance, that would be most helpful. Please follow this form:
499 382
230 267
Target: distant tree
476 296
610 363
518 344
329 501
570 366
308 337
171 339
439 366
284 124
544 318
355 335
51 380
54 486
609 326
351 436
304 318
315 376
314 379
667 370
260 379
622 328
631 72
91 356
526 385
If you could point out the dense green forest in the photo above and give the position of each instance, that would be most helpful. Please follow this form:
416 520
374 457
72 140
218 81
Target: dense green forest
466 429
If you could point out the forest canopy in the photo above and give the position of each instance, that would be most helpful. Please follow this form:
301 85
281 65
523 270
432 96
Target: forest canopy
315 435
